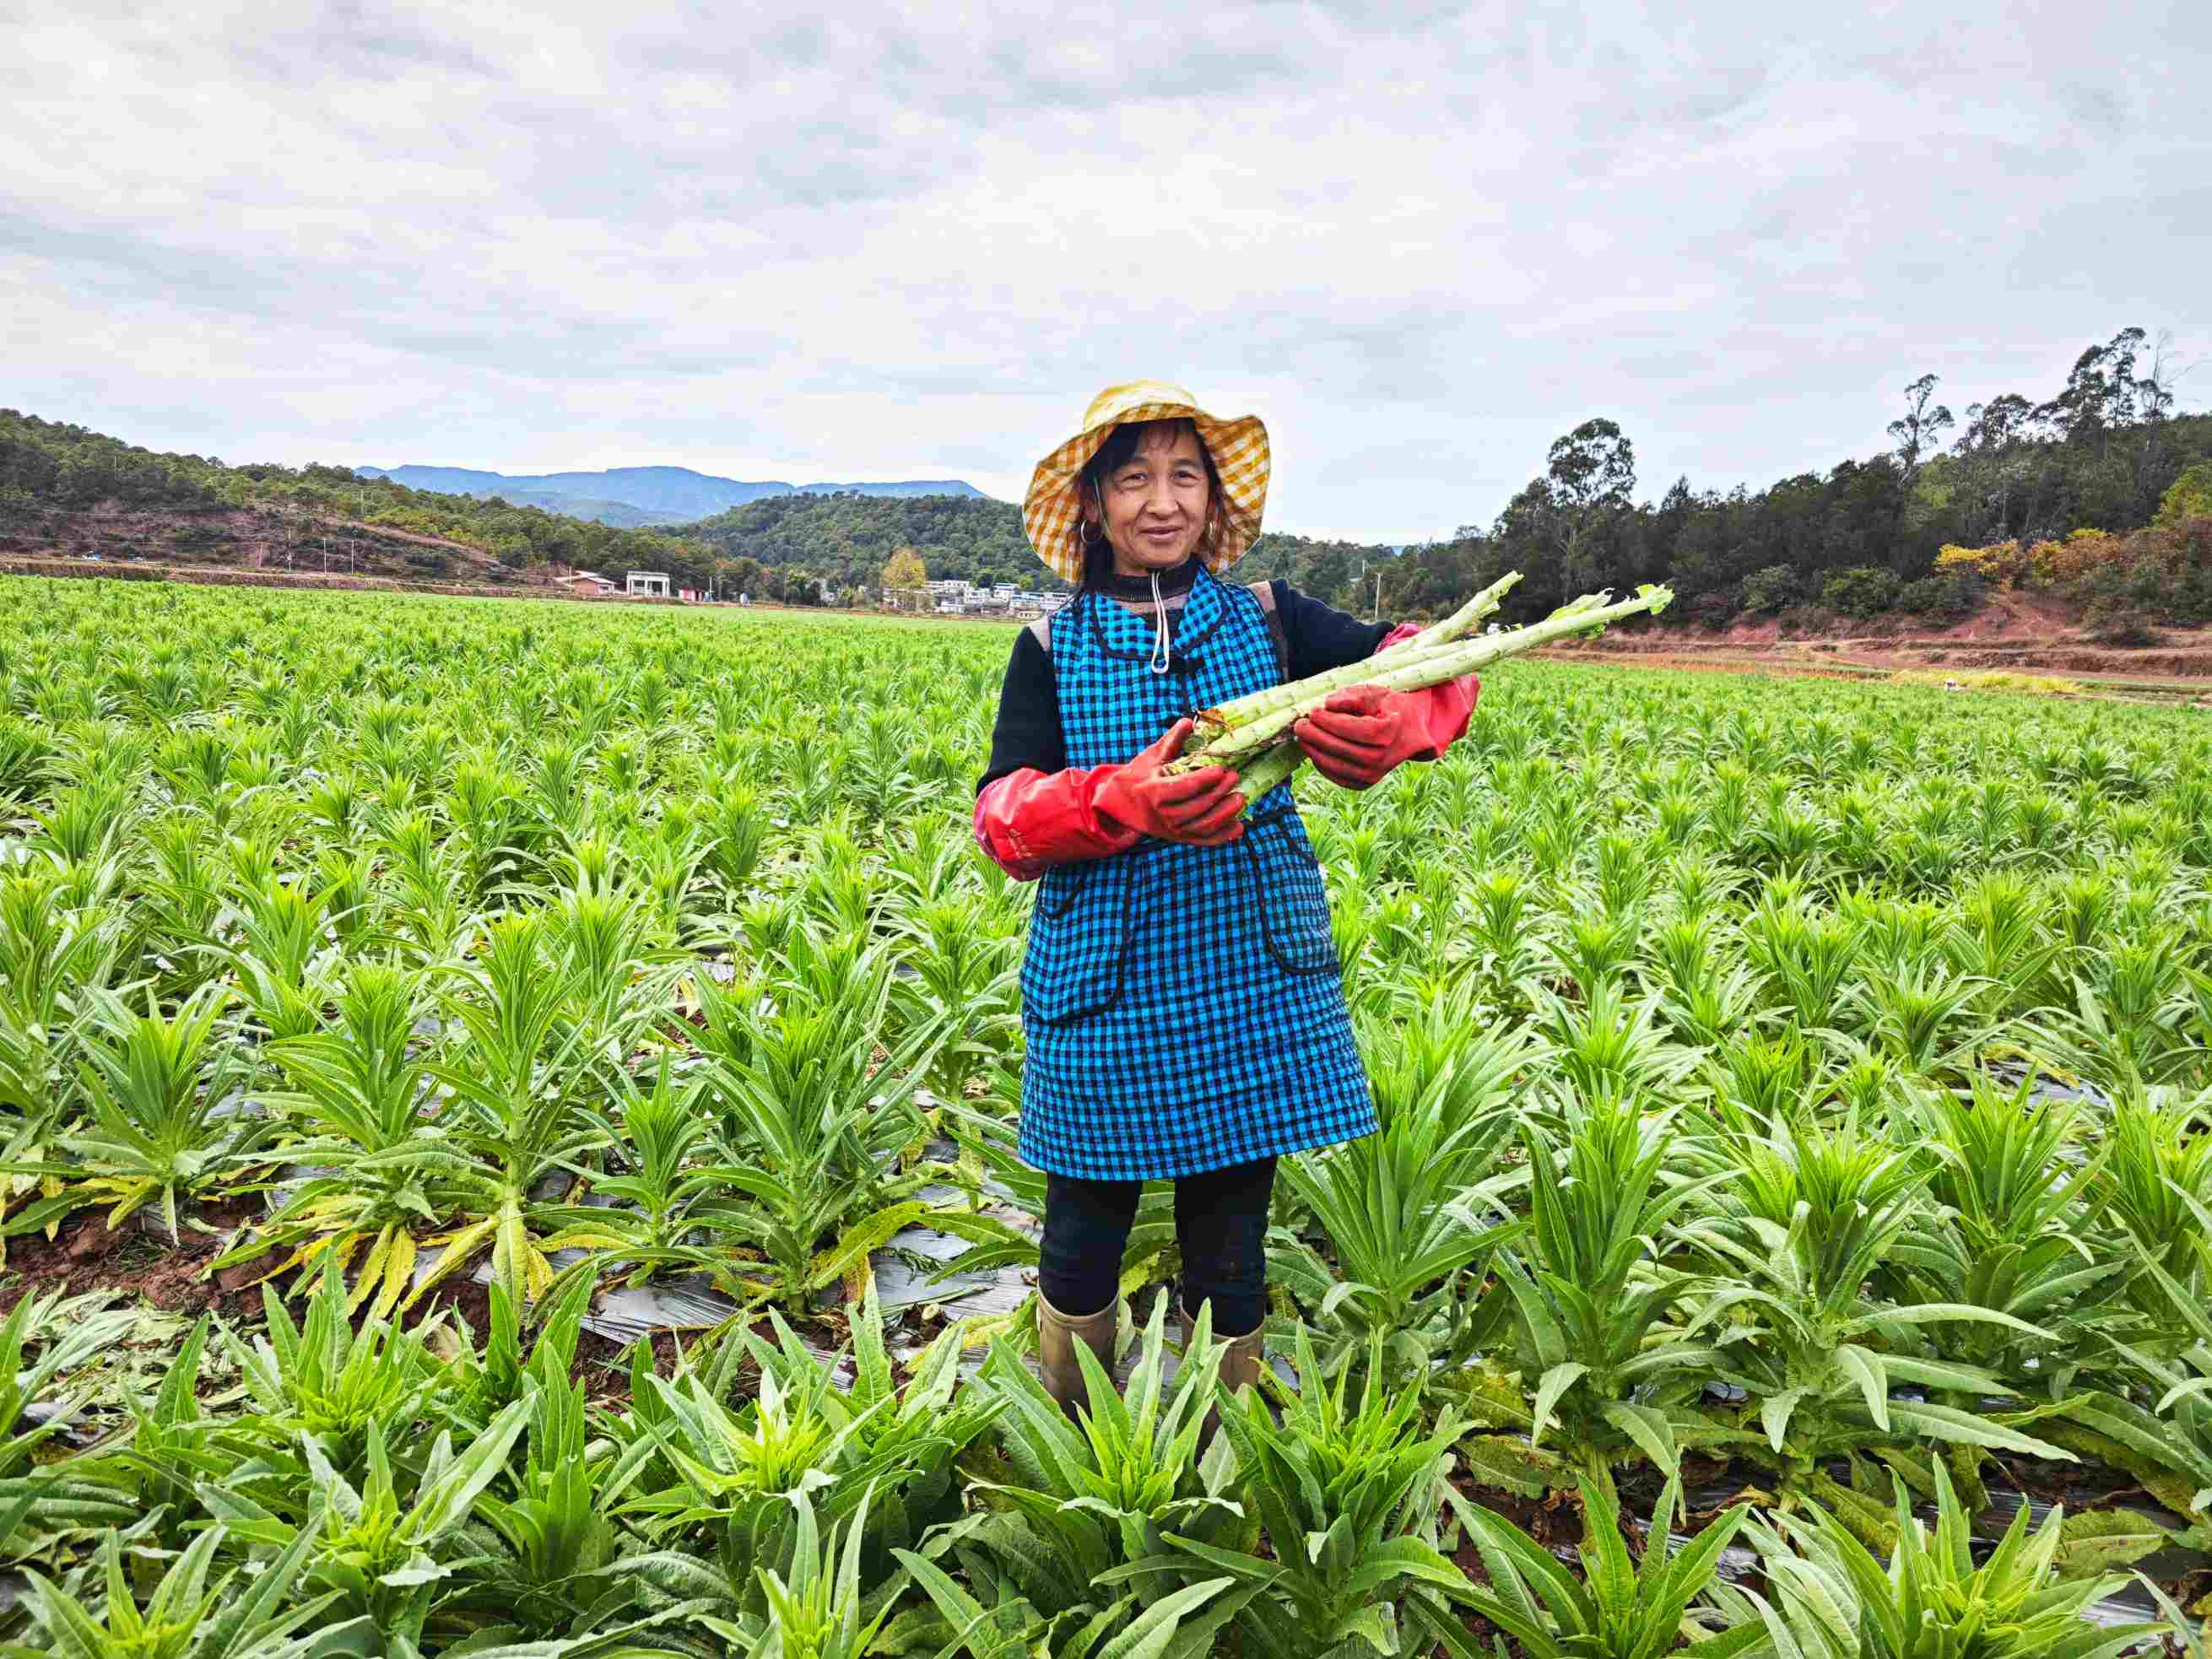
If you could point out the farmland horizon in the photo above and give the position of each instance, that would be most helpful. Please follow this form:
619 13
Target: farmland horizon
1001 472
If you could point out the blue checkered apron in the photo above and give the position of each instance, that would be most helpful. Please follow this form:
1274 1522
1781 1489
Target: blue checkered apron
1184 1006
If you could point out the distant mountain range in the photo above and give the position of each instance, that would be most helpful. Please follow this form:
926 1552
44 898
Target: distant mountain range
636 496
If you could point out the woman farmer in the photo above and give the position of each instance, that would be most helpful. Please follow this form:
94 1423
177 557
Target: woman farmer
1182 1000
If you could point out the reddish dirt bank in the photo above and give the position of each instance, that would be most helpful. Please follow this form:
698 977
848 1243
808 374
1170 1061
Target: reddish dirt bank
2013 633
245 538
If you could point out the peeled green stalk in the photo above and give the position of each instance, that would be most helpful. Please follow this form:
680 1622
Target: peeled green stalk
1241 727
1252 734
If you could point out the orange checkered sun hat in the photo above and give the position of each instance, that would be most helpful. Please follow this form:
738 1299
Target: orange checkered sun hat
1052 511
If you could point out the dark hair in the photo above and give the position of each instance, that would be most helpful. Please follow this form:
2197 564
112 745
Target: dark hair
1121 443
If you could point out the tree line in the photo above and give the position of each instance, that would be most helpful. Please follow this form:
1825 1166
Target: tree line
2105 452
844 541
848 540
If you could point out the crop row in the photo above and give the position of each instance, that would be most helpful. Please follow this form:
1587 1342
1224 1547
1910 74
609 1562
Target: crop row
1798 1088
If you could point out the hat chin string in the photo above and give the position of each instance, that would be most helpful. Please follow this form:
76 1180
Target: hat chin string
1158 664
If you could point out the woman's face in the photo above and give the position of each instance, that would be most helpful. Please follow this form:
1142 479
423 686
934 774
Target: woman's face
1154 504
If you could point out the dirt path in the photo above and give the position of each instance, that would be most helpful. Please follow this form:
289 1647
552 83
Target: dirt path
2180 665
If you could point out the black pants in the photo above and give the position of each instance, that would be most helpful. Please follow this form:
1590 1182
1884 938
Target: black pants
1221 1224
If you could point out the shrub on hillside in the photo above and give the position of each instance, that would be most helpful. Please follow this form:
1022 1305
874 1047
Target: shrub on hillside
1806 622
2001 564
2181 552
1711 611
2056 566
2125 596
1863 592
2163 575
1772 589
2125 584
2190 496
2115 620
1944 597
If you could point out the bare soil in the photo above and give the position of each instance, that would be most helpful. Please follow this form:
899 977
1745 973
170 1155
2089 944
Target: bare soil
2012 633
602 1365
245 538
130 1261
85 1256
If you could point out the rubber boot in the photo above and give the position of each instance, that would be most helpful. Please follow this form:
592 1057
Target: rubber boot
1240 1367
1058 1368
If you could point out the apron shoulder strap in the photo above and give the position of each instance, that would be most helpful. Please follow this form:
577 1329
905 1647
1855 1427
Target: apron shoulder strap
1265 592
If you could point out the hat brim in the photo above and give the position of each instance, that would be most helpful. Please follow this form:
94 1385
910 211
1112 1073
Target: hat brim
1052 511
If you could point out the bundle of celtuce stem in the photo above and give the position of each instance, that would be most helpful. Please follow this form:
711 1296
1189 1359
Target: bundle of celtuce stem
1252 735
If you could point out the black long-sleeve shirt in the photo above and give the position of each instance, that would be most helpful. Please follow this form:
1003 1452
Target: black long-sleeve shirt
1316 638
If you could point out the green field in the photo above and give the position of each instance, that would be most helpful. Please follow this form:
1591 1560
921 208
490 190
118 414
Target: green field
1795 1094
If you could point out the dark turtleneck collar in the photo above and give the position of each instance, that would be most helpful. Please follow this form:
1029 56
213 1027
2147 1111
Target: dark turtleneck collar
1172 582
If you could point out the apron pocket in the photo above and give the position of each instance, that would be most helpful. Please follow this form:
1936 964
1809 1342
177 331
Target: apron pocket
1286 884
1079 941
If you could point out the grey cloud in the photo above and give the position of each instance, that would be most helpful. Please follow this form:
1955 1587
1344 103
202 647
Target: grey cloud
1421 240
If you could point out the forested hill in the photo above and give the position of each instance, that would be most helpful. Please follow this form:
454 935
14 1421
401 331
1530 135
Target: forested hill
51 472
849 538
65 486
2099 493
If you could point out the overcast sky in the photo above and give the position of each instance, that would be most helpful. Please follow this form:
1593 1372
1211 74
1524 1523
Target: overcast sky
1420 240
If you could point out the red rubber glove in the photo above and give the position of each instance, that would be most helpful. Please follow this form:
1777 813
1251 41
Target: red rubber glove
1201 807
1444 710
1029 821
1364 733
1416 725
